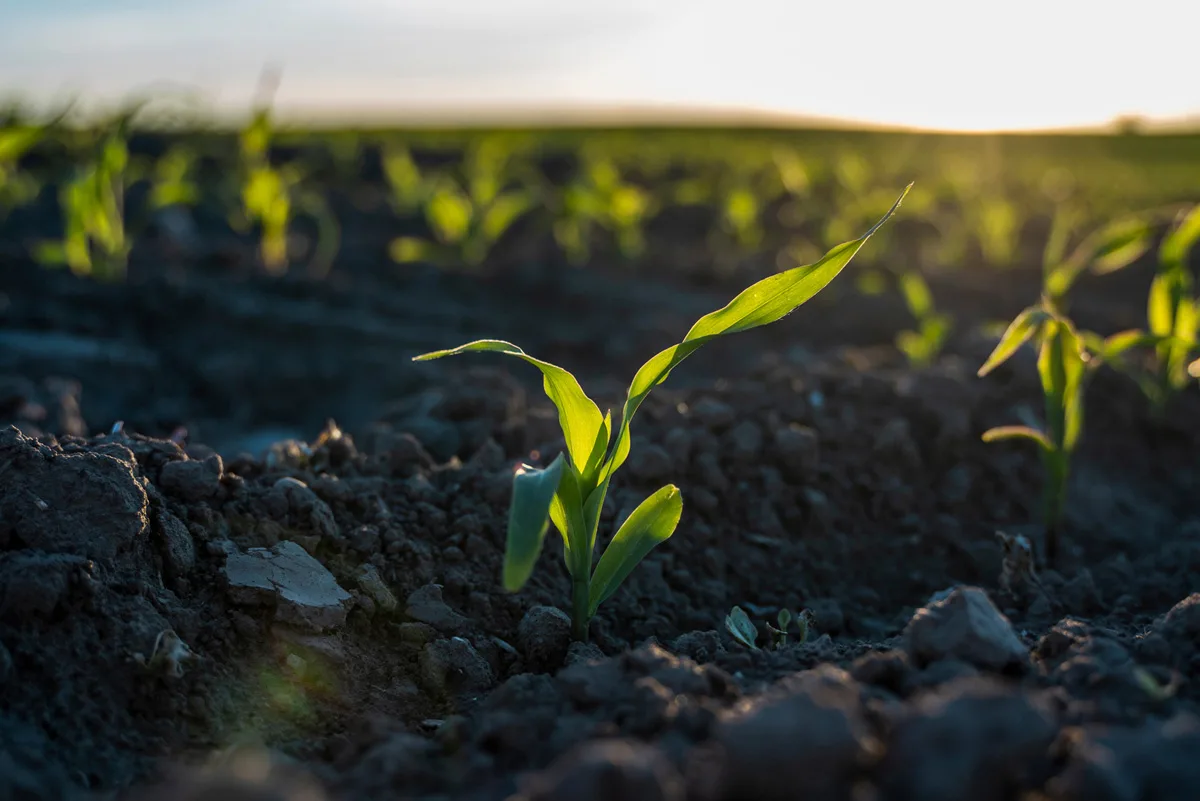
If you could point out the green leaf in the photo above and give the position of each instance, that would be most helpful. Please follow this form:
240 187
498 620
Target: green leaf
738 624
578 415
1019 331
916 294
1172 253
1119 244
14 142
503 211
1062 365
1165 291
1018 432
528 519
566 511
765 302
652 522
410 249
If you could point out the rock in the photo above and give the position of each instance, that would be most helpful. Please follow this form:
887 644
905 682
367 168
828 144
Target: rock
964 625
820 510
649 462
582 653
1182 622
454 667
191 480
302 591
544 636
295 504
371 583
607 770
807 732
426 606
714 414
798 450
1156 760
974 738
746 441
78 502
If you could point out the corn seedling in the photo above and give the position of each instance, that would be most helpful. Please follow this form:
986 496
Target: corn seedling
1107 249
271 196
602 200
1173 311
570 492
1064 364
924 344
468 214
94 240
16 187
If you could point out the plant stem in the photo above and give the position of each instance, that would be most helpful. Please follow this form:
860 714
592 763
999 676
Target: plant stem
580 592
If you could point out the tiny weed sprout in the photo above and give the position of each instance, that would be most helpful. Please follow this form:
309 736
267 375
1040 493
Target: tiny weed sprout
570 491
1063 366
740 627
784 619
924 344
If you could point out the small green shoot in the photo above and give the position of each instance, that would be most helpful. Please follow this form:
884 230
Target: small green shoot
923 345
94 240
570 492
739 625
1063 366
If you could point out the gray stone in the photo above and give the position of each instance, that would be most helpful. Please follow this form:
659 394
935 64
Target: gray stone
827 615
302 591
544 636
191 480
305 514
426 606
454 667
179 551
964 625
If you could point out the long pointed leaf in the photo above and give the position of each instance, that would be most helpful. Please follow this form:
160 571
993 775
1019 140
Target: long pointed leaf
578 415
1019 331
1172 253
528 519
652 522
566 511
765 302
1018 432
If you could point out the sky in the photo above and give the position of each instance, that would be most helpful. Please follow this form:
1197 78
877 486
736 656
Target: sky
941 64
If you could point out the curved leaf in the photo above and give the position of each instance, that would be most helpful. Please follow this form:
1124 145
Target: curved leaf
1018 432
1172 253
652 522
916 294
767 301
1019 331
528 519
578 415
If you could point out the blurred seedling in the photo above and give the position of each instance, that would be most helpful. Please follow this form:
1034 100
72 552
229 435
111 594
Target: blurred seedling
742 629
95 241
923 345
600 200
570 492
1063 366
272 195
468 213
16 187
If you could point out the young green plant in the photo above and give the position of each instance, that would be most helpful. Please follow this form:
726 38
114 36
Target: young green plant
1064 365
571 490
924 344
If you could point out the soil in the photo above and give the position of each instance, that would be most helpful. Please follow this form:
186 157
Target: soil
818 471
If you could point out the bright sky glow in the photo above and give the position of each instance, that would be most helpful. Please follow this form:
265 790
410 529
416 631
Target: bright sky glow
1019 64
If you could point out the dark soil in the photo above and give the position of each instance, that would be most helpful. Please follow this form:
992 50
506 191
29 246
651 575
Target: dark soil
818 471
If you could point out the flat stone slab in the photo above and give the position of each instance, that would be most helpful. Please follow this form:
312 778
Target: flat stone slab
303 592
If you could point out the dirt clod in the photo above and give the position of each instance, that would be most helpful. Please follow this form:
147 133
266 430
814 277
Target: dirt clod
544 636
964 625
299 588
